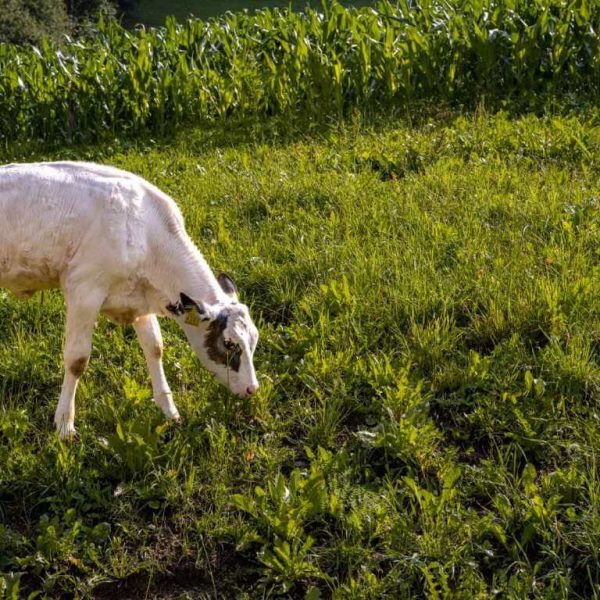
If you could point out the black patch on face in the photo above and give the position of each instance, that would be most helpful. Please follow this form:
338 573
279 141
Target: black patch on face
215 345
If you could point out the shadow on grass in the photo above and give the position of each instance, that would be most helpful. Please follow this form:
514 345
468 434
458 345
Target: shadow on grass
183 581
231 132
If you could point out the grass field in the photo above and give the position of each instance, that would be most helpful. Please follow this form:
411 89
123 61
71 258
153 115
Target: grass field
154 12
427 424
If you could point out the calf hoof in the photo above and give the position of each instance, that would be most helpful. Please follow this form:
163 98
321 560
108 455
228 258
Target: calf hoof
165 401
67 432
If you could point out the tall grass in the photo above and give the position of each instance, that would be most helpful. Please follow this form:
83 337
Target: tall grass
317 62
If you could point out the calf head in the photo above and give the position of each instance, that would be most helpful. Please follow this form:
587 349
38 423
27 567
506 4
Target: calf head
223 336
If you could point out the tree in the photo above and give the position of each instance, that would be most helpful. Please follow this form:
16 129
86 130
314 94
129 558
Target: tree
28 21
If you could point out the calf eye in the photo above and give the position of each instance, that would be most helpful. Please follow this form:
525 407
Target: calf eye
229 345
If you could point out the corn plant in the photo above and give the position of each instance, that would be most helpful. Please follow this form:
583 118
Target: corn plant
316 62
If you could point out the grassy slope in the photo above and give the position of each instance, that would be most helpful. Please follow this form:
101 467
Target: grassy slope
429 309
154 12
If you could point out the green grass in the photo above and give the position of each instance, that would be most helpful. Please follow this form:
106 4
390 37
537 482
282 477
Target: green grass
154 12
428 299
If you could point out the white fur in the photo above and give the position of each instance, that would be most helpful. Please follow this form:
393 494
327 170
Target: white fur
115 244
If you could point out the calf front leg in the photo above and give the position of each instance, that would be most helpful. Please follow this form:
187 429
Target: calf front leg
82 310
150 337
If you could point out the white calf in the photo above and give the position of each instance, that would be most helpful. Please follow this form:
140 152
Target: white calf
116 244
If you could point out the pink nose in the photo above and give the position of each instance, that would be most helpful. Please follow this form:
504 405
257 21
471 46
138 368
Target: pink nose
251 389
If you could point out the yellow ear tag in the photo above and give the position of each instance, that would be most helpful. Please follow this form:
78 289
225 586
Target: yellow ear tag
192 318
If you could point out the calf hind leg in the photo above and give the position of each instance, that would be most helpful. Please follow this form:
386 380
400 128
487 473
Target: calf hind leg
150 337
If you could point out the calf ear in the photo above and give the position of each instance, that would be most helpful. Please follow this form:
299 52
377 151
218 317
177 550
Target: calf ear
185 304
227 285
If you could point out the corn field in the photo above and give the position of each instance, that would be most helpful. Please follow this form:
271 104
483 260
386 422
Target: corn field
327 61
